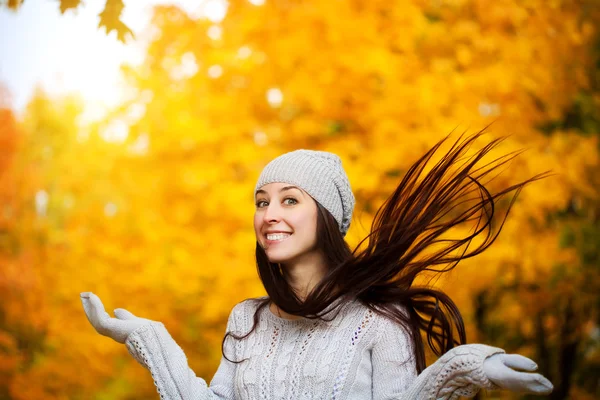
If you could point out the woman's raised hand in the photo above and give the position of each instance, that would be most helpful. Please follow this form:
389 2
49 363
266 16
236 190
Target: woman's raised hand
115 328
501 369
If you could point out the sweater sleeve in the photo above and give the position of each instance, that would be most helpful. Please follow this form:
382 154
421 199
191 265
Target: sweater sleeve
154 348
394 366
457 373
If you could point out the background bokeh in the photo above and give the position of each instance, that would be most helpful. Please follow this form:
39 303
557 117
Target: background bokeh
151 205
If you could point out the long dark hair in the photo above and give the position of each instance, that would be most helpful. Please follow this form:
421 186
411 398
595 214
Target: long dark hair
381 275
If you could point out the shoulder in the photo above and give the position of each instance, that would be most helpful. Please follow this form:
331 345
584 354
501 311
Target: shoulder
376 319
245 310
387 326
394 340
250 304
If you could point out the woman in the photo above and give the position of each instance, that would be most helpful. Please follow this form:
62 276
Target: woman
344 324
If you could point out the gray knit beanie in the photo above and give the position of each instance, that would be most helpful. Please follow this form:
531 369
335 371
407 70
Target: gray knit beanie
318 173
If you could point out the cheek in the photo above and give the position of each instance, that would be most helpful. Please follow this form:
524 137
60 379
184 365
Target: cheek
313 228
305 224
257 224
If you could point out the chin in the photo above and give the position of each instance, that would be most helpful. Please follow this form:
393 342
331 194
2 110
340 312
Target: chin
278 259
281 256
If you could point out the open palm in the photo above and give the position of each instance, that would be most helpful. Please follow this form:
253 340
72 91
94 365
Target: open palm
117 328
506 371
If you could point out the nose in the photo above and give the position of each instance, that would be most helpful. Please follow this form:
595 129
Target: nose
272 214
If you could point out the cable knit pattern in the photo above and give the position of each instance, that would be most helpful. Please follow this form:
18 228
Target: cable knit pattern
357 355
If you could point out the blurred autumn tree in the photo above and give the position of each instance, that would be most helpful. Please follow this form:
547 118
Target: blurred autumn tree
152 208
18 338
557 314
110 16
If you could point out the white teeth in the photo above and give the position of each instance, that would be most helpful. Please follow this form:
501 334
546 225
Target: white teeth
277 236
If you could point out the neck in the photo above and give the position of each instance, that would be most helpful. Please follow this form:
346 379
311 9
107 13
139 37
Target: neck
303 275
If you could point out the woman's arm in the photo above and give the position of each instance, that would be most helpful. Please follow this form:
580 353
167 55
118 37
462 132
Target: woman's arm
394 365
457 373
151 345
154 348
462 371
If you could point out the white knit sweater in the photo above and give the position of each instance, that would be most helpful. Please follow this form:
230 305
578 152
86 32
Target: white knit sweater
358 355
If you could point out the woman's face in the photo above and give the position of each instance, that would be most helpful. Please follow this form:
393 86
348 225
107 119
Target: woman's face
285 222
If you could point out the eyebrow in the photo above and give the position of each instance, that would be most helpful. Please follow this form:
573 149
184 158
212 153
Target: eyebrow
283 189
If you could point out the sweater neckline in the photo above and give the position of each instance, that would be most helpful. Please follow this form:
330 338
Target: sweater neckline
271 317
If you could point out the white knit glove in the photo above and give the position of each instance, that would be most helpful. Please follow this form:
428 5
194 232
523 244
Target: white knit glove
500 370
115 328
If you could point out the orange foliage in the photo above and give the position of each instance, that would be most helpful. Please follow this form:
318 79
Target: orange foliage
160 221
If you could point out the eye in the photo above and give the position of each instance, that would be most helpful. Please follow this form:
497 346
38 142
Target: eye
259 203
294 201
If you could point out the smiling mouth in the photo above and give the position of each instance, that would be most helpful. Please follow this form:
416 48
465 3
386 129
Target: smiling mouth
277 237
